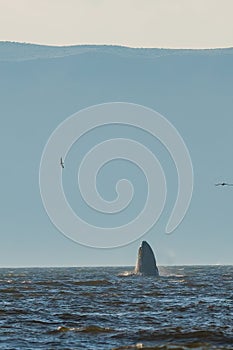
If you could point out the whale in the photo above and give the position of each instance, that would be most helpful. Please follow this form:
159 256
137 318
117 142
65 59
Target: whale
146 262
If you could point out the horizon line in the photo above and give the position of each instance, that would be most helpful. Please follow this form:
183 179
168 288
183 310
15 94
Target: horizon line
116 45
100 266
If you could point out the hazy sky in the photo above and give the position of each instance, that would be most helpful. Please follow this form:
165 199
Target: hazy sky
138 23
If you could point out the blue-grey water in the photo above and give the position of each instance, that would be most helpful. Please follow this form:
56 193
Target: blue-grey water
189 307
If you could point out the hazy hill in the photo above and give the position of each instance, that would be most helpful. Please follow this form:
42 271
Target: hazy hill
10 51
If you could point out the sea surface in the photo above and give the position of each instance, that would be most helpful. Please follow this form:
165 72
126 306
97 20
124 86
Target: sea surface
187 307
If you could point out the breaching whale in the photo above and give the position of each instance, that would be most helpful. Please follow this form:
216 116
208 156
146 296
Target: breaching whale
146 263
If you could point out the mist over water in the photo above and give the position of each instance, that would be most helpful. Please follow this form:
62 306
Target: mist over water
108 308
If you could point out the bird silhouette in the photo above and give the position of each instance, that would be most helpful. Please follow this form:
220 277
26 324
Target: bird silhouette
223 184
62 163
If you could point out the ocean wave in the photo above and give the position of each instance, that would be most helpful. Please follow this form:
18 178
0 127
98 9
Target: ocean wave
13 312
172 346
178 334
126 274
93 283
88 329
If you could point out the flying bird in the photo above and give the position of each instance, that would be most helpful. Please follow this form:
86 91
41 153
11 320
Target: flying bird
223 184
62 163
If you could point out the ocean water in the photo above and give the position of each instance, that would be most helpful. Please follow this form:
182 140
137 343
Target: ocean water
188 307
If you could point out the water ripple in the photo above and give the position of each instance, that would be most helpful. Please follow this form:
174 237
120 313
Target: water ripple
103 308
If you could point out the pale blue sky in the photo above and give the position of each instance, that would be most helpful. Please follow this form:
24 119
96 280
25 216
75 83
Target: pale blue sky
136 23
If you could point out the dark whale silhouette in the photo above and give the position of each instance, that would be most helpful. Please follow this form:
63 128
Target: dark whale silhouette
146 263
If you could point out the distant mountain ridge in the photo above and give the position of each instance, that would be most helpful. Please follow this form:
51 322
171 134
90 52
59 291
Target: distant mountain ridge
14 51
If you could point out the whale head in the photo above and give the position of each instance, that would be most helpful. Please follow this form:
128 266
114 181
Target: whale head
146 263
